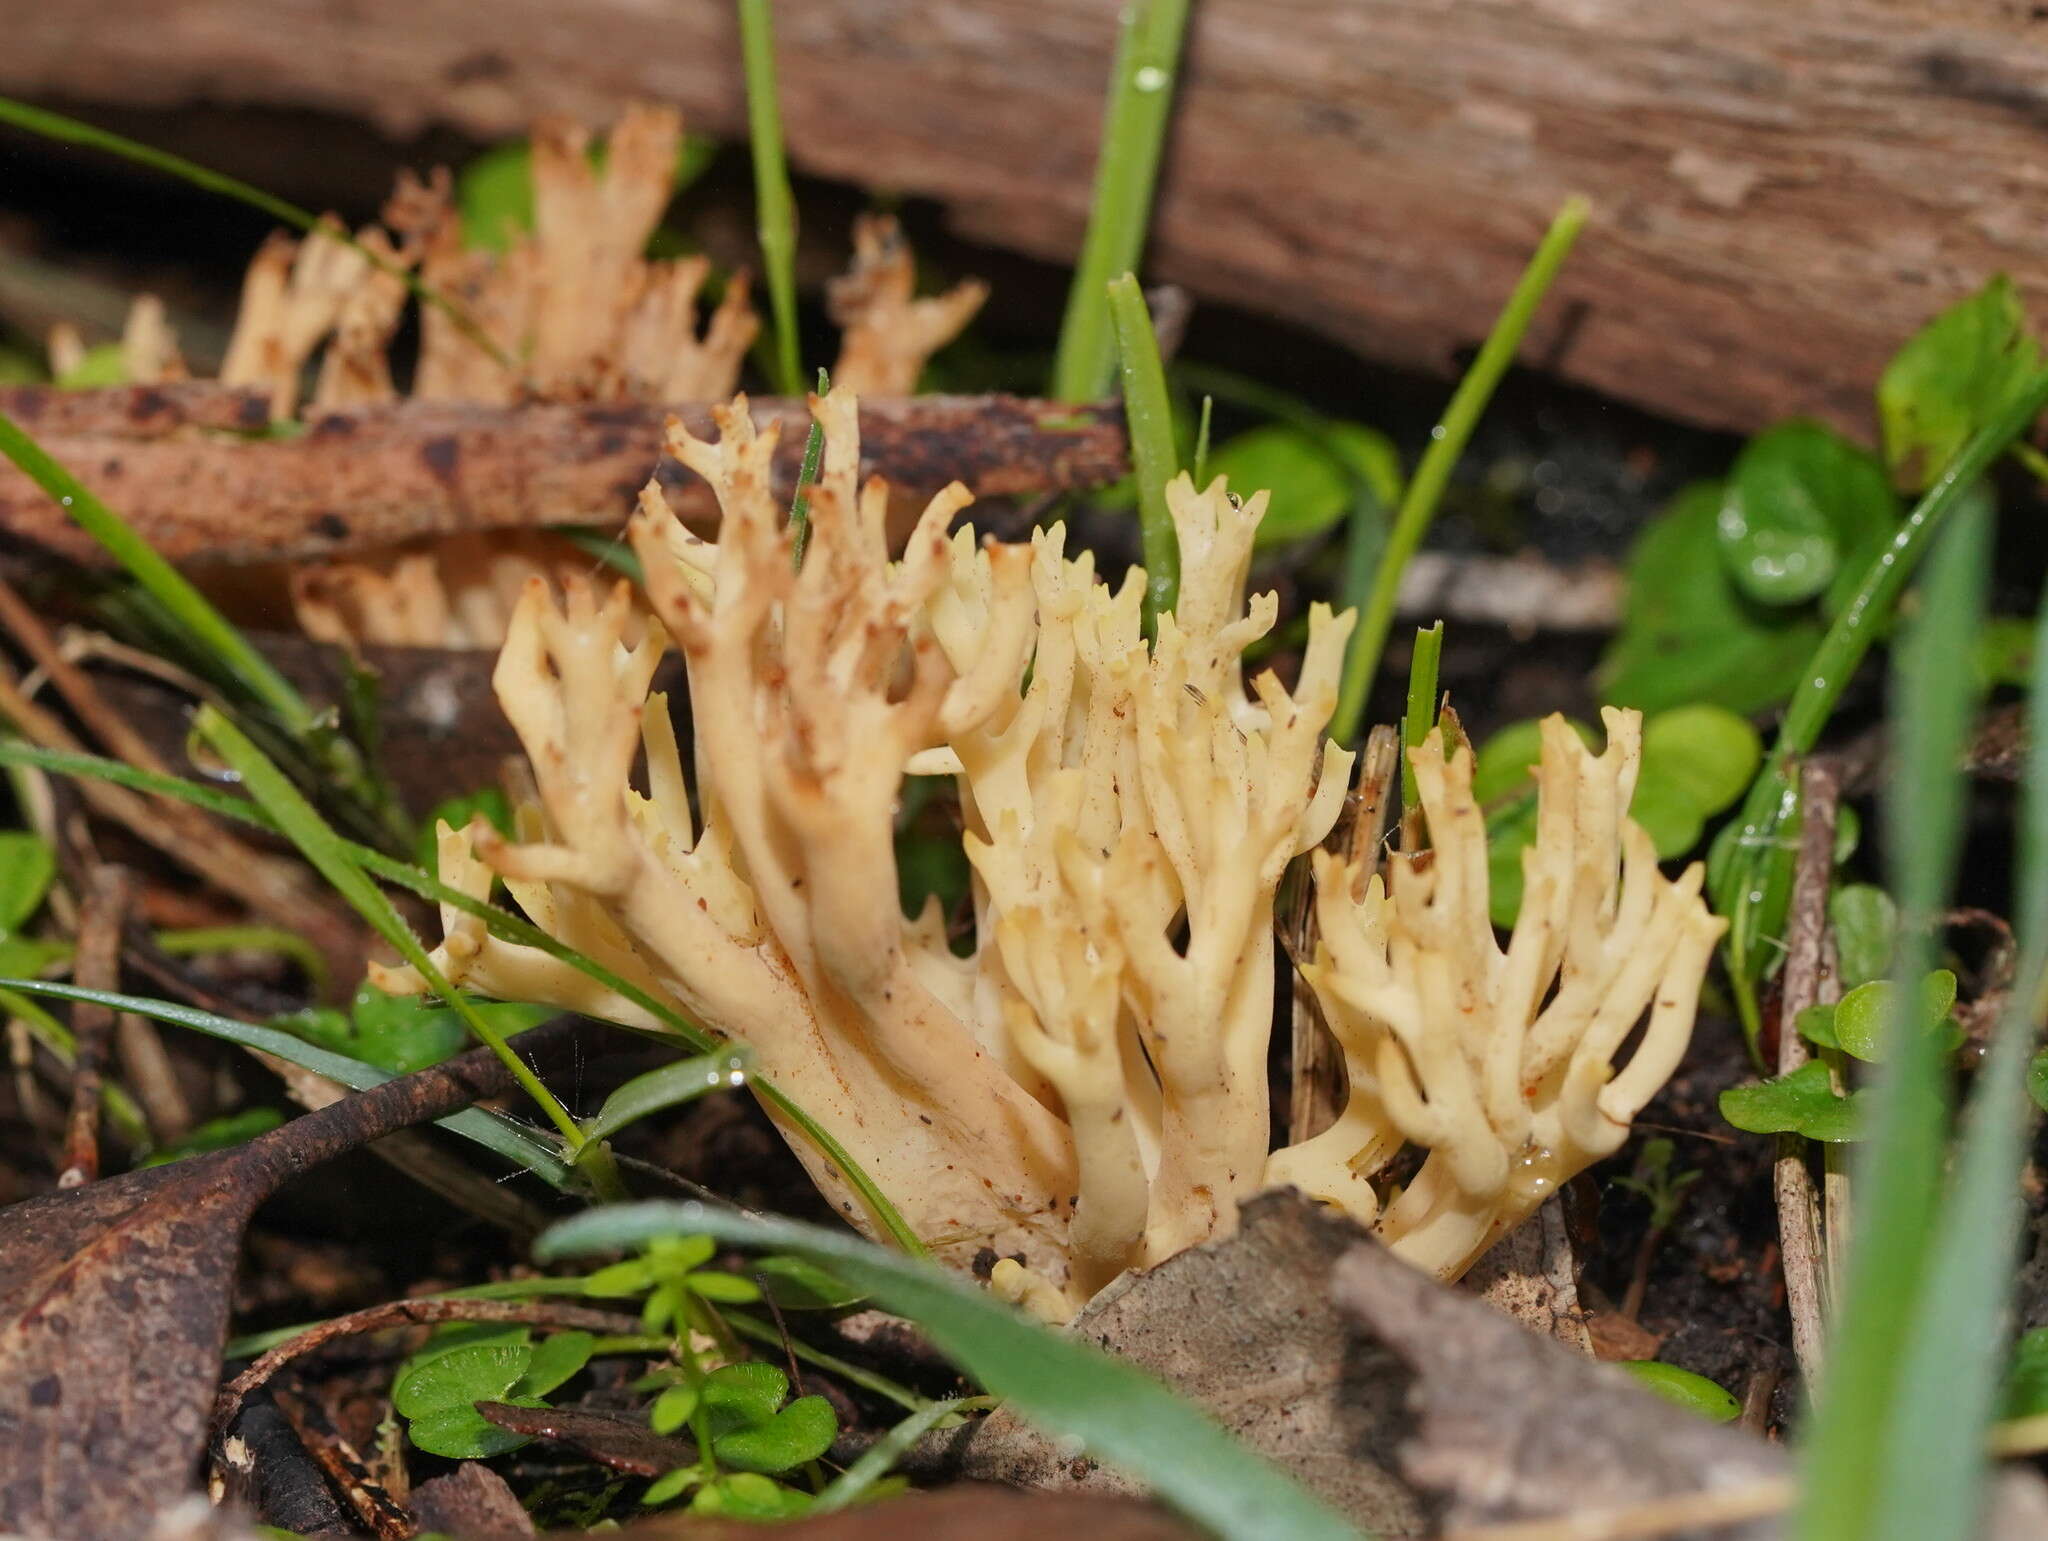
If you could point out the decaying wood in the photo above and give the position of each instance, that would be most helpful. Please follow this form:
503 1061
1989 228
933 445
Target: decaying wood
114 1306
370 477
1783 190
1803 1243
1507 1427
1246 1328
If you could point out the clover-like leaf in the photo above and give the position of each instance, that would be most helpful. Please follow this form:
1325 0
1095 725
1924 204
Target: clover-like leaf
555 1361
801 1432
461 1377
1803 1102
1801 506
743 1396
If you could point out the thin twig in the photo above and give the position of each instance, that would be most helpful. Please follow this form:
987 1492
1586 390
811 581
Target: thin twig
96 967
1652 1517
1808 981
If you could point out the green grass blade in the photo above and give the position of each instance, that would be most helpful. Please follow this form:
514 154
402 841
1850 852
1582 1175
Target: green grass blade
205 626
330 856
1956 1351
1422 695
54 125
1856 628
774 204
1133 135
504 925
494 1131
1154 463
1847 1493
1202 440
1114 1410
1447 442
669 1086
876 1461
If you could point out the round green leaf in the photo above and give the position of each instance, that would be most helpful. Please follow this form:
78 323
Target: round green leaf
618 1280
482 1372
1706 754
1314 476
1863 1015
1801 504
670 1486
801 1432
1693 1392
1668 814
1803 1102
1866 926
1509 832
1688 633
1952 377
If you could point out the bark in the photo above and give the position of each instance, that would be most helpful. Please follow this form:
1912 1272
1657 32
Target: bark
1784 188
369 477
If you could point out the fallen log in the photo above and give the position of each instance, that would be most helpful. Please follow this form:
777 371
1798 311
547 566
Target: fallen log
189 467
1783 189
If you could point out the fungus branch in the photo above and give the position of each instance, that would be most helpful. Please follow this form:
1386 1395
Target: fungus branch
1087 1092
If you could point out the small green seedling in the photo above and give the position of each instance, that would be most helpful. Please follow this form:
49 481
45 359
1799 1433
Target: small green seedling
746 1428
1684 1389
438 1388
1866 927
1660 1187
1955 375
402 1033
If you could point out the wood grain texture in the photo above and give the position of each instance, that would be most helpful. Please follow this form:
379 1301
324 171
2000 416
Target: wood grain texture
1784 189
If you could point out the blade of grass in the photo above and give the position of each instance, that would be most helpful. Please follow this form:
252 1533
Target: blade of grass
1133 134
54 125
205 626
1149 411
1202 440
1421 714
666 1087
806 478
1117 1412
330 857
880 1458
504 925
1957 1346
774 205
1773 799
1898 1165
494 1131
1446 443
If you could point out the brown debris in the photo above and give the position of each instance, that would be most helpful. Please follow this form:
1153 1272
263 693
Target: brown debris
97 967
473 1502
621 1442
966 1513
114 1304
368 478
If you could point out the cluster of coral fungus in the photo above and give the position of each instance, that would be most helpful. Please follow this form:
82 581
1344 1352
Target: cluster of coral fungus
1087 1092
